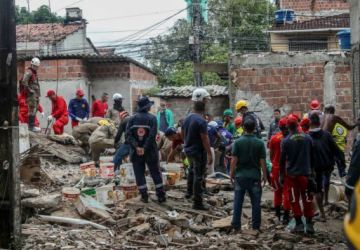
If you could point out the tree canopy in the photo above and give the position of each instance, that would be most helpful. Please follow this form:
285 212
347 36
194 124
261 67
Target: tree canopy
41 15
233 25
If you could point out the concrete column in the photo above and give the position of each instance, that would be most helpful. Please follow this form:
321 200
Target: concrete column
329 84
355 53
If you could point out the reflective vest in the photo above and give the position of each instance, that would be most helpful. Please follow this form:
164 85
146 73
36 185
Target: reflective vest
339 134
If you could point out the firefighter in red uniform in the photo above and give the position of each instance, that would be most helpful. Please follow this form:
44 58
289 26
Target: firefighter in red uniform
281 193
59 112
30 90
100 107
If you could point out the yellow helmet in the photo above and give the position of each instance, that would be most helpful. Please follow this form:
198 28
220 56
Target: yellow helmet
240 104
352 220
104 122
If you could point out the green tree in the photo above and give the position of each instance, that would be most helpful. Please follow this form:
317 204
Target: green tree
233 26
41 15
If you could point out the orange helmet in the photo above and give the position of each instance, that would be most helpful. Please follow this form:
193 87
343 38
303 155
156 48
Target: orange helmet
314 105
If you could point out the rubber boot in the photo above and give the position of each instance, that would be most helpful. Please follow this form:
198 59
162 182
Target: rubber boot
309 228
278 212
145 198
299 227
31 122
286 217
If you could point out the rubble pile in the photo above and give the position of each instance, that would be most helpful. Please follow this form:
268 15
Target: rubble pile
83 222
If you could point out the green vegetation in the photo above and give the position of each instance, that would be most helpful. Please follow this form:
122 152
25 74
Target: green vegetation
41 15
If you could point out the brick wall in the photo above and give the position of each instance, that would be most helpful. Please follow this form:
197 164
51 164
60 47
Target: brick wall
110 70
181 106
139 74
319 5
53 69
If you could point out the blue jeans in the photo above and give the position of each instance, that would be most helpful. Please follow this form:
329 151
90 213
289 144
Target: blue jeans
123 151
253 188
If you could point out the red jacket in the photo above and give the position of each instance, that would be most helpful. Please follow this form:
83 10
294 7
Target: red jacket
99 109
59 108
275 149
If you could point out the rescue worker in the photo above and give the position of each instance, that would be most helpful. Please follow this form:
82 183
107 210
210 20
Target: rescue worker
296 165
176 146
228 115
30 89
59 112
274 125
213 138
281 192
238 127
305 125
24 113
100 107
141 136
123 149
102 138
82 133
325 150
242 108
165 118
315 108
79 109
197 147
114 112
338 128
352 221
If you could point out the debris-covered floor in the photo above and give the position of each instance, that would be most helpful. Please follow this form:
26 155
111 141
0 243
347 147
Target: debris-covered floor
132 224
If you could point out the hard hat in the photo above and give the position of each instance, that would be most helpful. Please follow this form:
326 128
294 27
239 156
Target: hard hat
292 120
213 124
117 96
228 112
50 93
241 104
103 122
283 122
123 114
80 92
314 104
238 121
352 220
35 61
199 95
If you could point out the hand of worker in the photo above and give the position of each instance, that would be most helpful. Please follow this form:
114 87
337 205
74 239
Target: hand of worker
264 180
85 119
78 119
42 114
50 118
140 151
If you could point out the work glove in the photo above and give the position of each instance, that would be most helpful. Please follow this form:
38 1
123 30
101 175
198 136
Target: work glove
78 119
42 114
50 118
85 119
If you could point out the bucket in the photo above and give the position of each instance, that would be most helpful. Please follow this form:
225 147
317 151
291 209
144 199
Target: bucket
129 190
344 37
107 170
105 194
106 159
126 174
88 169
169 178
336 193
70 194
174 168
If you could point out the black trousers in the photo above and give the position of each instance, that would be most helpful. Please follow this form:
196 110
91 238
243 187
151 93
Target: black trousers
196 176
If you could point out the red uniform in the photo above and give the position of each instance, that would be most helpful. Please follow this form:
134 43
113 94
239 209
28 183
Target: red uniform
24 111
60 113
99 109
281 194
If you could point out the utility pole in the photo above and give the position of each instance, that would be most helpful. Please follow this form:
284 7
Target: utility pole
197 28
10 211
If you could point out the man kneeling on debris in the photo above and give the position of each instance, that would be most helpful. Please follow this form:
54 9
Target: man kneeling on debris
101 139
59 112
83 131
248 159
141 136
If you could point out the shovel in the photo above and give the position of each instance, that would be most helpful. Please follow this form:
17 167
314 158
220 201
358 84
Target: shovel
48 127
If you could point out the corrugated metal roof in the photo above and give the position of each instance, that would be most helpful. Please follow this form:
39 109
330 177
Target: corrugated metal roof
186 91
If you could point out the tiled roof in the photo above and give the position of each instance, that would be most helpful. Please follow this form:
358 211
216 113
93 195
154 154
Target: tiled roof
45 32
186 91
329 22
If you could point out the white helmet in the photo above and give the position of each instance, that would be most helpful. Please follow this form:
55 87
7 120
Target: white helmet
35 61
213 124
199 95
117 96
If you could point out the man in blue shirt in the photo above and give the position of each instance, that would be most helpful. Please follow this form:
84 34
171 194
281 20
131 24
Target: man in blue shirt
197 147
79 109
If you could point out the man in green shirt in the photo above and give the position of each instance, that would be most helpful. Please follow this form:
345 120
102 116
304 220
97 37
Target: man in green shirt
228 121
247 162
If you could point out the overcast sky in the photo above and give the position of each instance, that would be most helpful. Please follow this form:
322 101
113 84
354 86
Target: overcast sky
123 17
